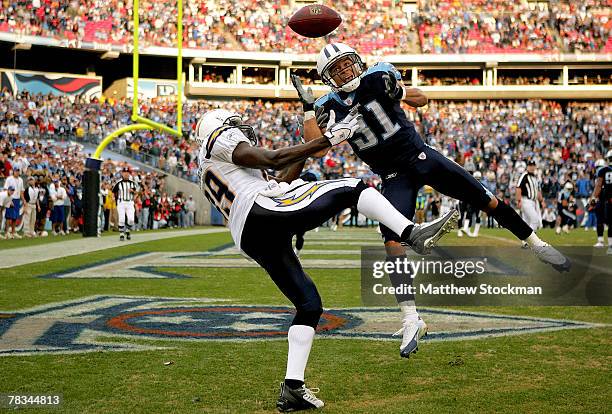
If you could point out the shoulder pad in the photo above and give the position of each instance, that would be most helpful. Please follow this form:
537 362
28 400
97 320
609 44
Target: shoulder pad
384 67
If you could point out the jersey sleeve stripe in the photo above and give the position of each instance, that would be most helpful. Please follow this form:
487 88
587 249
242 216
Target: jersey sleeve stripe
213 138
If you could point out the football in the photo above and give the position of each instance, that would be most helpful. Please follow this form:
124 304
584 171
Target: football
315 20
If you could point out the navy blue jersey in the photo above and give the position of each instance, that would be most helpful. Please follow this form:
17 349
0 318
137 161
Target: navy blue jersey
387 139
606 188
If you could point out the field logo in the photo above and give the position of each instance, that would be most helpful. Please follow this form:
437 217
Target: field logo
112 323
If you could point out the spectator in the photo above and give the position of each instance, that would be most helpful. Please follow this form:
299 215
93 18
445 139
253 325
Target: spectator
190 206
31 208
57 194
13 213
6 199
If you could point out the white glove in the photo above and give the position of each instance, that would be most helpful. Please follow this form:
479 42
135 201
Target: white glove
338 132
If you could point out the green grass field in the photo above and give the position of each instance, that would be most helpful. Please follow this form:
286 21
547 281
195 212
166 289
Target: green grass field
562 371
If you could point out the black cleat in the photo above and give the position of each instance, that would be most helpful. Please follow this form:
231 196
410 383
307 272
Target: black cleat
424 237
297 399
127 236
121 238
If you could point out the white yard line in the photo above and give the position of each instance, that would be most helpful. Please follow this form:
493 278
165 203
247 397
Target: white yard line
43 252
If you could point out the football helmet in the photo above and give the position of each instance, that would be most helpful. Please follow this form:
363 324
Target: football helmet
333 53
609 155
477 175
568 186
218 118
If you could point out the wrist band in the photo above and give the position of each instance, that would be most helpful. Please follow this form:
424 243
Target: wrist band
309 115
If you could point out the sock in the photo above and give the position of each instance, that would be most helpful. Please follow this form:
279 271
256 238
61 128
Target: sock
409 311
600 239
534 240
375 206
509 219
300 339
476 229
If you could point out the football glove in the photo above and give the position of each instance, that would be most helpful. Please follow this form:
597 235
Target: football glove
338 132
393 89
306 96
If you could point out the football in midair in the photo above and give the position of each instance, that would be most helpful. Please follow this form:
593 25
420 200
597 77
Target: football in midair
315 20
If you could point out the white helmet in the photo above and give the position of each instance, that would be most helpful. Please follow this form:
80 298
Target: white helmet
329 55
477 175
216 119
600 163
568 186
609 155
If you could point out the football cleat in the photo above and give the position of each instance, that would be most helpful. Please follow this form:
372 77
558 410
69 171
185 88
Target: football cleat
598 244
553 257
411 332
127 236
424 237
297 399
121 238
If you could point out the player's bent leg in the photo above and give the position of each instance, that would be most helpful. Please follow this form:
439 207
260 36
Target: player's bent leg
451 179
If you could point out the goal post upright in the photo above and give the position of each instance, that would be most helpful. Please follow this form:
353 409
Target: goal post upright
93 164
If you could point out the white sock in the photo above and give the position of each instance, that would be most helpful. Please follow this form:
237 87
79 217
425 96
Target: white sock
408 309
300 339
476 229
600 240
534 240
375 206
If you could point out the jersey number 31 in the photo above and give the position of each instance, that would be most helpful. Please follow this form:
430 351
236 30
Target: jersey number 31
366 138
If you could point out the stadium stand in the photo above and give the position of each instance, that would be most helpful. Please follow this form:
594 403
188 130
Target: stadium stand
374 27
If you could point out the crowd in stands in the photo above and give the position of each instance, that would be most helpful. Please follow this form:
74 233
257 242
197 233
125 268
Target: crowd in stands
584 26
492 137
372 26
448 80
523 80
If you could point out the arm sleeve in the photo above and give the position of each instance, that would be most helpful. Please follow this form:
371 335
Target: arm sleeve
224 146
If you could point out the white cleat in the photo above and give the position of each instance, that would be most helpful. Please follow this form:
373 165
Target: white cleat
598 244
411 332
553 257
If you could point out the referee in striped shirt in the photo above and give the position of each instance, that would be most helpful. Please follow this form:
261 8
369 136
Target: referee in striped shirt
125 191
529 197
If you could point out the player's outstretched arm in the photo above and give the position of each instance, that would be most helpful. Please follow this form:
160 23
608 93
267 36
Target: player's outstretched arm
248 156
